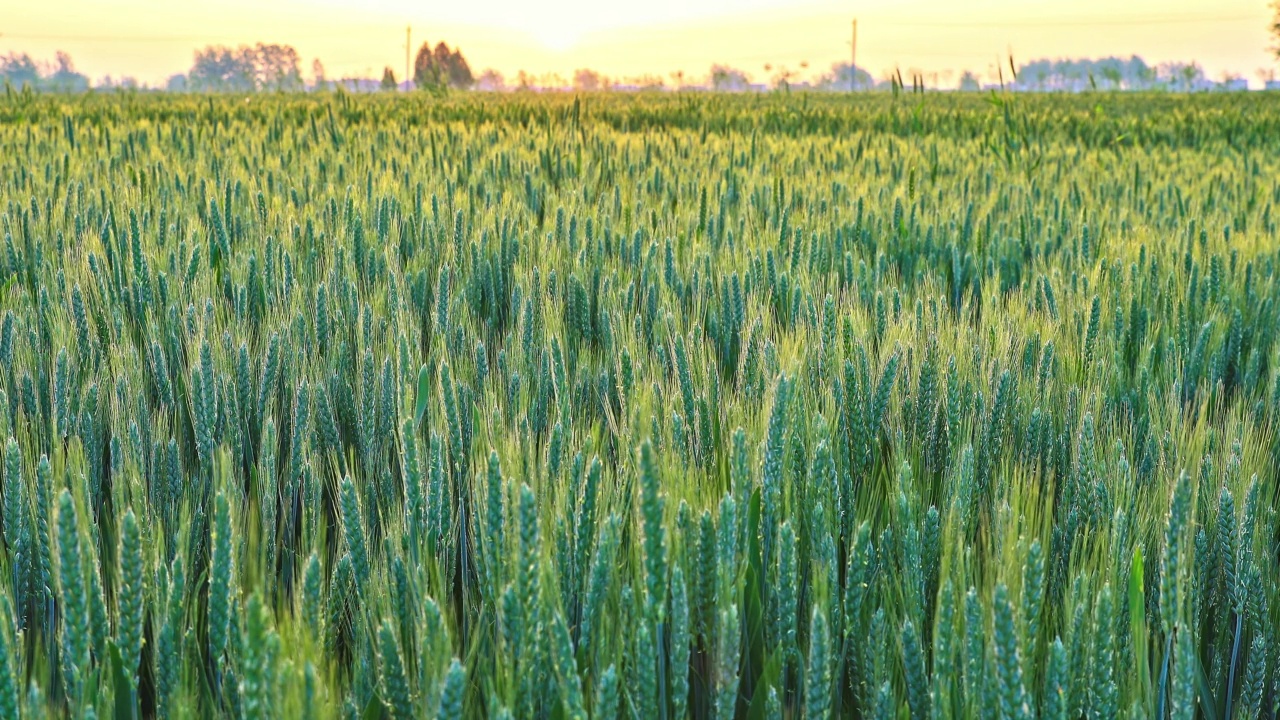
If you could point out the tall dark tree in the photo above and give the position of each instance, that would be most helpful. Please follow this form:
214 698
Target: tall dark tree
1275 28
441 67
388 79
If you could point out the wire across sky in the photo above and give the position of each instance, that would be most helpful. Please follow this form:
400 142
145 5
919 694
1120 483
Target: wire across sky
152 39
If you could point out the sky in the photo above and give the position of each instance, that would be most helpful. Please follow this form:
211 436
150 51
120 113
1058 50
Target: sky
152 39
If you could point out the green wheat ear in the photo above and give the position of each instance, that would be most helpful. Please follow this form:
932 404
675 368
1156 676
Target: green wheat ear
220 589
1009 657
681 642
913 658
451 698
606 700
260 647
817 680
9 707
72 592
353 531
168 671
133 591
655 547
14 493
268 493
395 684
566 669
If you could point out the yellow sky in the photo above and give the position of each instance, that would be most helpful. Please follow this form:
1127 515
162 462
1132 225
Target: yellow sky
151 39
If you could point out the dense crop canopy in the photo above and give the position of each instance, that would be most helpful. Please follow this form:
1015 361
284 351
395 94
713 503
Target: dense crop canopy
654 406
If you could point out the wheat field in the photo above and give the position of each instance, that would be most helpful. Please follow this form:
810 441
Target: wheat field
652 406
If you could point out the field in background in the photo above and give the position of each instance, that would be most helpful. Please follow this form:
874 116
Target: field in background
641 406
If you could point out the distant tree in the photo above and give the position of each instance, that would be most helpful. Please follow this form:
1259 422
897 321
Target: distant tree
1191 73
64 77
1139 73
245 69
19 70
782 77
587 80
388 79
1112 74
1074 75
460 76
317 75
1230 81
176 83
223 69
491 80
1275 29
727 79
969 82
649 82
276 67
427 72
844 76
127 82
441 67
1181 76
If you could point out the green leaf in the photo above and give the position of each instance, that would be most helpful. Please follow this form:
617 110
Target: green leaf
1162 697
768 679
1208 703
424 386
753 600
1137 616
124 707
1138 621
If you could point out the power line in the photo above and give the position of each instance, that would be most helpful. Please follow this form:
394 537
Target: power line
928 53
107 38
1072 22
1077 21
42 37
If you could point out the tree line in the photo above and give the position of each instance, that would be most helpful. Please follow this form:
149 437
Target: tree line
21 70
277 67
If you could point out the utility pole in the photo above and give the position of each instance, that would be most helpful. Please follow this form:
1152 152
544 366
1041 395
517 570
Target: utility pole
407 79
853 58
